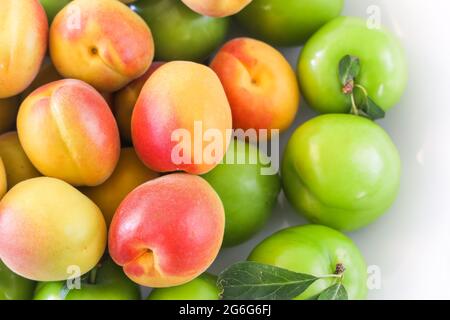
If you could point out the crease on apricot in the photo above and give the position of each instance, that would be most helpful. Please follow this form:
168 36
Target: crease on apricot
64 132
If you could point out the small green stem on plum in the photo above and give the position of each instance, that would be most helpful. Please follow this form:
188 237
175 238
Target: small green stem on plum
348 90
364 90
338 273
338 276
354 106
349 70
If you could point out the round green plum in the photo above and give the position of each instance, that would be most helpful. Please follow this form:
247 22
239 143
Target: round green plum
109 283
315 250
287 22
201 288
52 7
247 193
341 170
383 65
13 286
178 32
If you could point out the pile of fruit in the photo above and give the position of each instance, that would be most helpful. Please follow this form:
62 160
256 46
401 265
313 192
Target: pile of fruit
115 118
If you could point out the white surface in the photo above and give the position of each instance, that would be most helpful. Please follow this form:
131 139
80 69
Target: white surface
411 243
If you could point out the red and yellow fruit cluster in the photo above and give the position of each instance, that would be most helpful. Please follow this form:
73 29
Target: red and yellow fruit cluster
71 185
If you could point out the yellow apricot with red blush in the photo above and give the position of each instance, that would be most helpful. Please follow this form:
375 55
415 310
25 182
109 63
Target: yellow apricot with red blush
182 119
167 231
102 42
68 131
23 43
260 84
49 230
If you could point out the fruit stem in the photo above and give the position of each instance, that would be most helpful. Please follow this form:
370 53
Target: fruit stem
331 276
364 90
348 89
338 273
354 107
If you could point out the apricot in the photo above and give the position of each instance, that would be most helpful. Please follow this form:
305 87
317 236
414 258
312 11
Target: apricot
102 42
217 8
182 119
8 113
17 165
130 172
260 84
3 183
125 100
49 231
23 43
68 132
167 231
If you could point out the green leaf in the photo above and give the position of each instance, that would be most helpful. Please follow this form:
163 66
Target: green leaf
256 281
349 68
335 292
372 110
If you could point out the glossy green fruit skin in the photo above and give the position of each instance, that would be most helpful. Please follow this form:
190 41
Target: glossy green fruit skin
13 286
248 196
315 250
201 288
341 170
287 22
383 65
111 284
52 7
178 32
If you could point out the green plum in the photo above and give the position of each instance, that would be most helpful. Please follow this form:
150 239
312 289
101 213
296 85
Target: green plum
201 288
315 250
13 286
383 65
106 282
341 170
178 32
248 195
287 22
52 7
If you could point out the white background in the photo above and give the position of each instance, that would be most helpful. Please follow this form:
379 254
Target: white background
411 243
